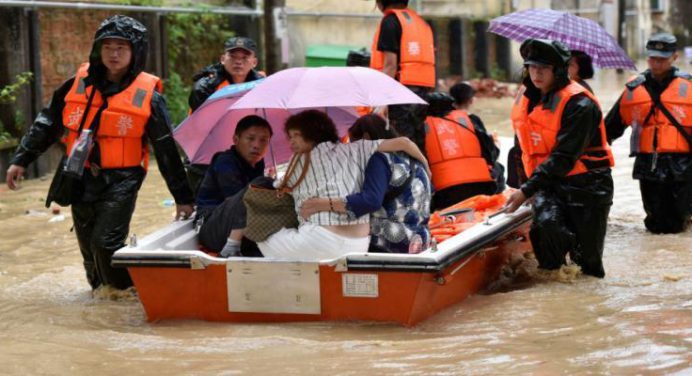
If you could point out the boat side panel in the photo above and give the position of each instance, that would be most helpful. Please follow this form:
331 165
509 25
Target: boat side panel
475 273
395 296
180 293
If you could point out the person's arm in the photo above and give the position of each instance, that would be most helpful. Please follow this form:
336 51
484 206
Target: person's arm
391 64
160 135
578 126
613 123
44 132
201 90
389 43
405 145
368 200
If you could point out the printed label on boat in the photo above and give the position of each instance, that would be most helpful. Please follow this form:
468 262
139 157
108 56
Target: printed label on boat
273 287
360 285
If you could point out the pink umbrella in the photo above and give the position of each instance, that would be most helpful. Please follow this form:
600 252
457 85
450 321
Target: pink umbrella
301 88
210 128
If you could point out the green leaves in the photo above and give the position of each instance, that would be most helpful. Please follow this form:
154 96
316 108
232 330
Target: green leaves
8 94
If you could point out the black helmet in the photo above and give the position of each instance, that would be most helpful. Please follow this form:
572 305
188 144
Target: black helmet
440 104
544 51
126 28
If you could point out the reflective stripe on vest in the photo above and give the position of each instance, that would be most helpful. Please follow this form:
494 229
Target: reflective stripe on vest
416 51
454 152
537 131
122 124
635 105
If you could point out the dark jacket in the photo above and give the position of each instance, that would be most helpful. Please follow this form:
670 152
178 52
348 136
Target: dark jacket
669 166
571 141
228 173
208 79
48 127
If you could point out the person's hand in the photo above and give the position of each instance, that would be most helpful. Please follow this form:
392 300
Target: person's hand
427 168
15 174
309 207
183 211
514 201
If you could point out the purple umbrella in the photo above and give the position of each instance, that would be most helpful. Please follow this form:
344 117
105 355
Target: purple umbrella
577 33
210 128
301 88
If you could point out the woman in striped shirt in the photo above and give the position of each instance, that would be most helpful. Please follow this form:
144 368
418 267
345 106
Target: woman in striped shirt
335 171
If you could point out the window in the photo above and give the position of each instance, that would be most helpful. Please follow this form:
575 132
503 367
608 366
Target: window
657 5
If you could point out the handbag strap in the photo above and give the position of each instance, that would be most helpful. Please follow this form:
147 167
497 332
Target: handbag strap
291 168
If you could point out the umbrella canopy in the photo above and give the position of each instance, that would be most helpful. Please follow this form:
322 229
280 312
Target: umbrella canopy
211 127
577 33
301 88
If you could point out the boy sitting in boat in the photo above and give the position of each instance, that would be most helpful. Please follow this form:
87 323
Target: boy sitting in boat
226 180
396 193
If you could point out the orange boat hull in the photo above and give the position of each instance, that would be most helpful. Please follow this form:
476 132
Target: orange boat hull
404 297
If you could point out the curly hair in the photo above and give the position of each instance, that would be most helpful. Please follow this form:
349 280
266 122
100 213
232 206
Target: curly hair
315 126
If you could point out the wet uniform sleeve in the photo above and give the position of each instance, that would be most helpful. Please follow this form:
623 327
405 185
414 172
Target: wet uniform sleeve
390 35
160 135
46 129
579 125
370 198
489 150
201 90
613 123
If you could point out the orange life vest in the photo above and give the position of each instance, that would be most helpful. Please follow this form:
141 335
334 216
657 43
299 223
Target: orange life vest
453 150
659 134
417 50
537 131
122 125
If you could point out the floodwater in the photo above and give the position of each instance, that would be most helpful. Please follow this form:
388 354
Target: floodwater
638 320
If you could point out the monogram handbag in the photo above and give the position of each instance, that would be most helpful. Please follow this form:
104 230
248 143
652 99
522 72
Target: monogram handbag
270 210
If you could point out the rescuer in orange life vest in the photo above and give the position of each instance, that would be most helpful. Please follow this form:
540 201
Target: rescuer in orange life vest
105 114
560 131
461 153
661 136
403 49
236 65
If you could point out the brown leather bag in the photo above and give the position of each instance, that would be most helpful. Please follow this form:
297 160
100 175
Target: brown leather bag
270 210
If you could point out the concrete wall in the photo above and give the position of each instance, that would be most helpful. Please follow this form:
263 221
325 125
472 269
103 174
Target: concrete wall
304 31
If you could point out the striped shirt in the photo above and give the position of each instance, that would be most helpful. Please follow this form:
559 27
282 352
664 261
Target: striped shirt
335 171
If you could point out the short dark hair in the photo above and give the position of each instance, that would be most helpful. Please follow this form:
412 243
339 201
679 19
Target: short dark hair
252 121
315 126
462 93
387 3
372 124
585 64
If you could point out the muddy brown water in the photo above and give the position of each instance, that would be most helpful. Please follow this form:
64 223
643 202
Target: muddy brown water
638 320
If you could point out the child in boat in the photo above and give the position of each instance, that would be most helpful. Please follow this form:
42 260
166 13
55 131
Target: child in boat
463 156
335 170
396 193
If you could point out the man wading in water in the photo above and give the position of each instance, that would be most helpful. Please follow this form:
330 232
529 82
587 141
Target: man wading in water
105 115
